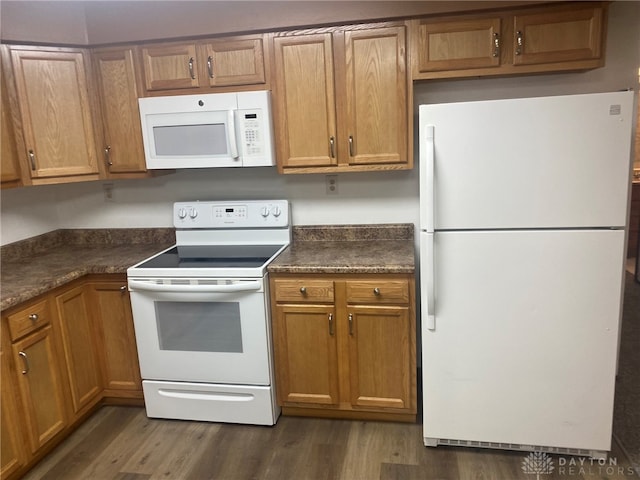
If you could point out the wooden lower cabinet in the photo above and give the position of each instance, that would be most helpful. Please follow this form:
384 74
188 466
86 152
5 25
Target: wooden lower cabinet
62 354
111 312
79 346
41 389
308 353
12 455
345 345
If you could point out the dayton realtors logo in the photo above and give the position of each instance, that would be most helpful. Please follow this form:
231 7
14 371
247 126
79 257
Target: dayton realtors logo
537 463
540 463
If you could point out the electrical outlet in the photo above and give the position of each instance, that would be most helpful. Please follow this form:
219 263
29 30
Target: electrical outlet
107 188
331 184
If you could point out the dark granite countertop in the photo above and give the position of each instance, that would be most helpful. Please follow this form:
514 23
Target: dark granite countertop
386 248
34 266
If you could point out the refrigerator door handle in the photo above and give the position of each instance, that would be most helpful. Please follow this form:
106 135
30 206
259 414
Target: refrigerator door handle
427 266
430 197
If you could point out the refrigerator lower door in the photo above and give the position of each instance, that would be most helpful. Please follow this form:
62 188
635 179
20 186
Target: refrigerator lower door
523 353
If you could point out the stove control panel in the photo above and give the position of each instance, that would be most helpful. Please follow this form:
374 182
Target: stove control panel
234 214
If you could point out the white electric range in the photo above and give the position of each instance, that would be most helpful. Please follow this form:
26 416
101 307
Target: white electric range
201 313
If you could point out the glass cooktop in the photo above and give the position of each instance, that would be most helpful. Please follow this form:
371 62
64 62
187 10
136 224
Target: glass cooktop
213 256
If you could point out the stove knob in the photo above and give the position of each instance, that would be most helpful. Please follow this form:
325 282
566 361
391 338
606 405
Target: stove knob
264 211
276 211
193 213
182 213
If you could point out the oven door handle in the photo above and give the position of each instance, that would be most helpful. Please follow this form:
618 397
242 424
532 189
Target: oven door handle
234 287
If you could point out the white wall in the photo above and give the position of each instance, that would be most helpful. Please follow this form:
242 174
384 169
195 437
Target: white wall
363 197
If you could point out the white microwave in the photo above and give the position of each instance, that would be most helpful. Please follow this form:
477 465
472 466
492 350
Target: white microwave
207 131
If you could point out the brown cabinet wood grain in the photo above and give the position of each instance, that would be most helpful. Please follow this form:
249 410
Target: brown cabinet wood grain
57 117
345 345
111 312
307 358
10 173
41 388
207 65
550 38
12 453
118 91
79 348
341 100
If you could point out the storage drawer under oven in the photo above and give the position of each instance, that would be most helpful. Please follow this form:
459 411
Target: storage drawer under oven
254 405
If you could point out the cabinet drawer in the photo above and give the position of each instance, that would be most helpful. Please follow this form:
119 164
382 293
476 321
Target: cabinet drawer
29 319
304 290
372 291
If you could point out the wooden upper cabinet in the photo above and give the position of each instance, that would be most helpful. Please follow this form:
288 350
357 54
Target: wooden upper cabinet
551 38
341 100
456 45
376 96
170 66
10 169
118 92
57 118
305 101
558 36
229 62
207 64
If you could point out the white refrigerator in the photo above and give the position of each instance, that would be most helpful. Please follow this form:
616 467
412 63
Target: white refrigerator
523 212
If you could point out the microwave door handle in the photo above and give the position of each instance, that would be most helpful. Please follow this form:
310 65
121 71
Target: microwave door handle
233 143
234 287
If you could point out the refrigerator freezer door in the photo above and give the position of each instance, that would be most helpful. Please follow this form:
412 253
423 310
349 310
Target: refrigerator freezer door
524 349
529 163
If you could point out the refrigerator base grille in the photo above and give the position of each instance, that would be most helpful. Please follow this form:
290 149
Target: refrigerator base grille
595 454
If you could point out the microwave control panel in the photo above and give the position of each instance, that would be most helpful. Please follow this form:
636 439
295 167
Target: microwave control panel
251 132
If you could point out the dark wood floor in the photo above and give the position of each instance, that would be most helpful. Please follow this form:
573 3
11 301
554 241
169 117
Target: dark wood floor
122 443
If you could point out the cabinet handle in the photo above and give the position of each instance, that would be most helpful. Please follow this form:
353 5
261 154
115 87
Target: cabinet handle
519 42
376 291
332 147
331 324
351 152
191 72
33 317
32 159
210 66
303 290
123 288
107 155
25 361
496 44
350 324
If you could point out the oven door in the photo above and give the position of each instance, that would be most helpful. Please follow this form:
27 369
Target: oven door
212 331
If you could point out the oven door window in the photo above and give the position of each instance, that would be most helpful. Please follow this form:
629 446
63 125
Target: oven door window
202 327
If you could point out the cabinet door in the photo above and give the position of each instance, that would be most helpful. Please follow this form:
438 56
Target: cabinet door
306 354
234 62
12 455
380 350
57 119
558 36
78 341
38 374
304 101
115 72
112 313
169 67
10 168
377 103
458 45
